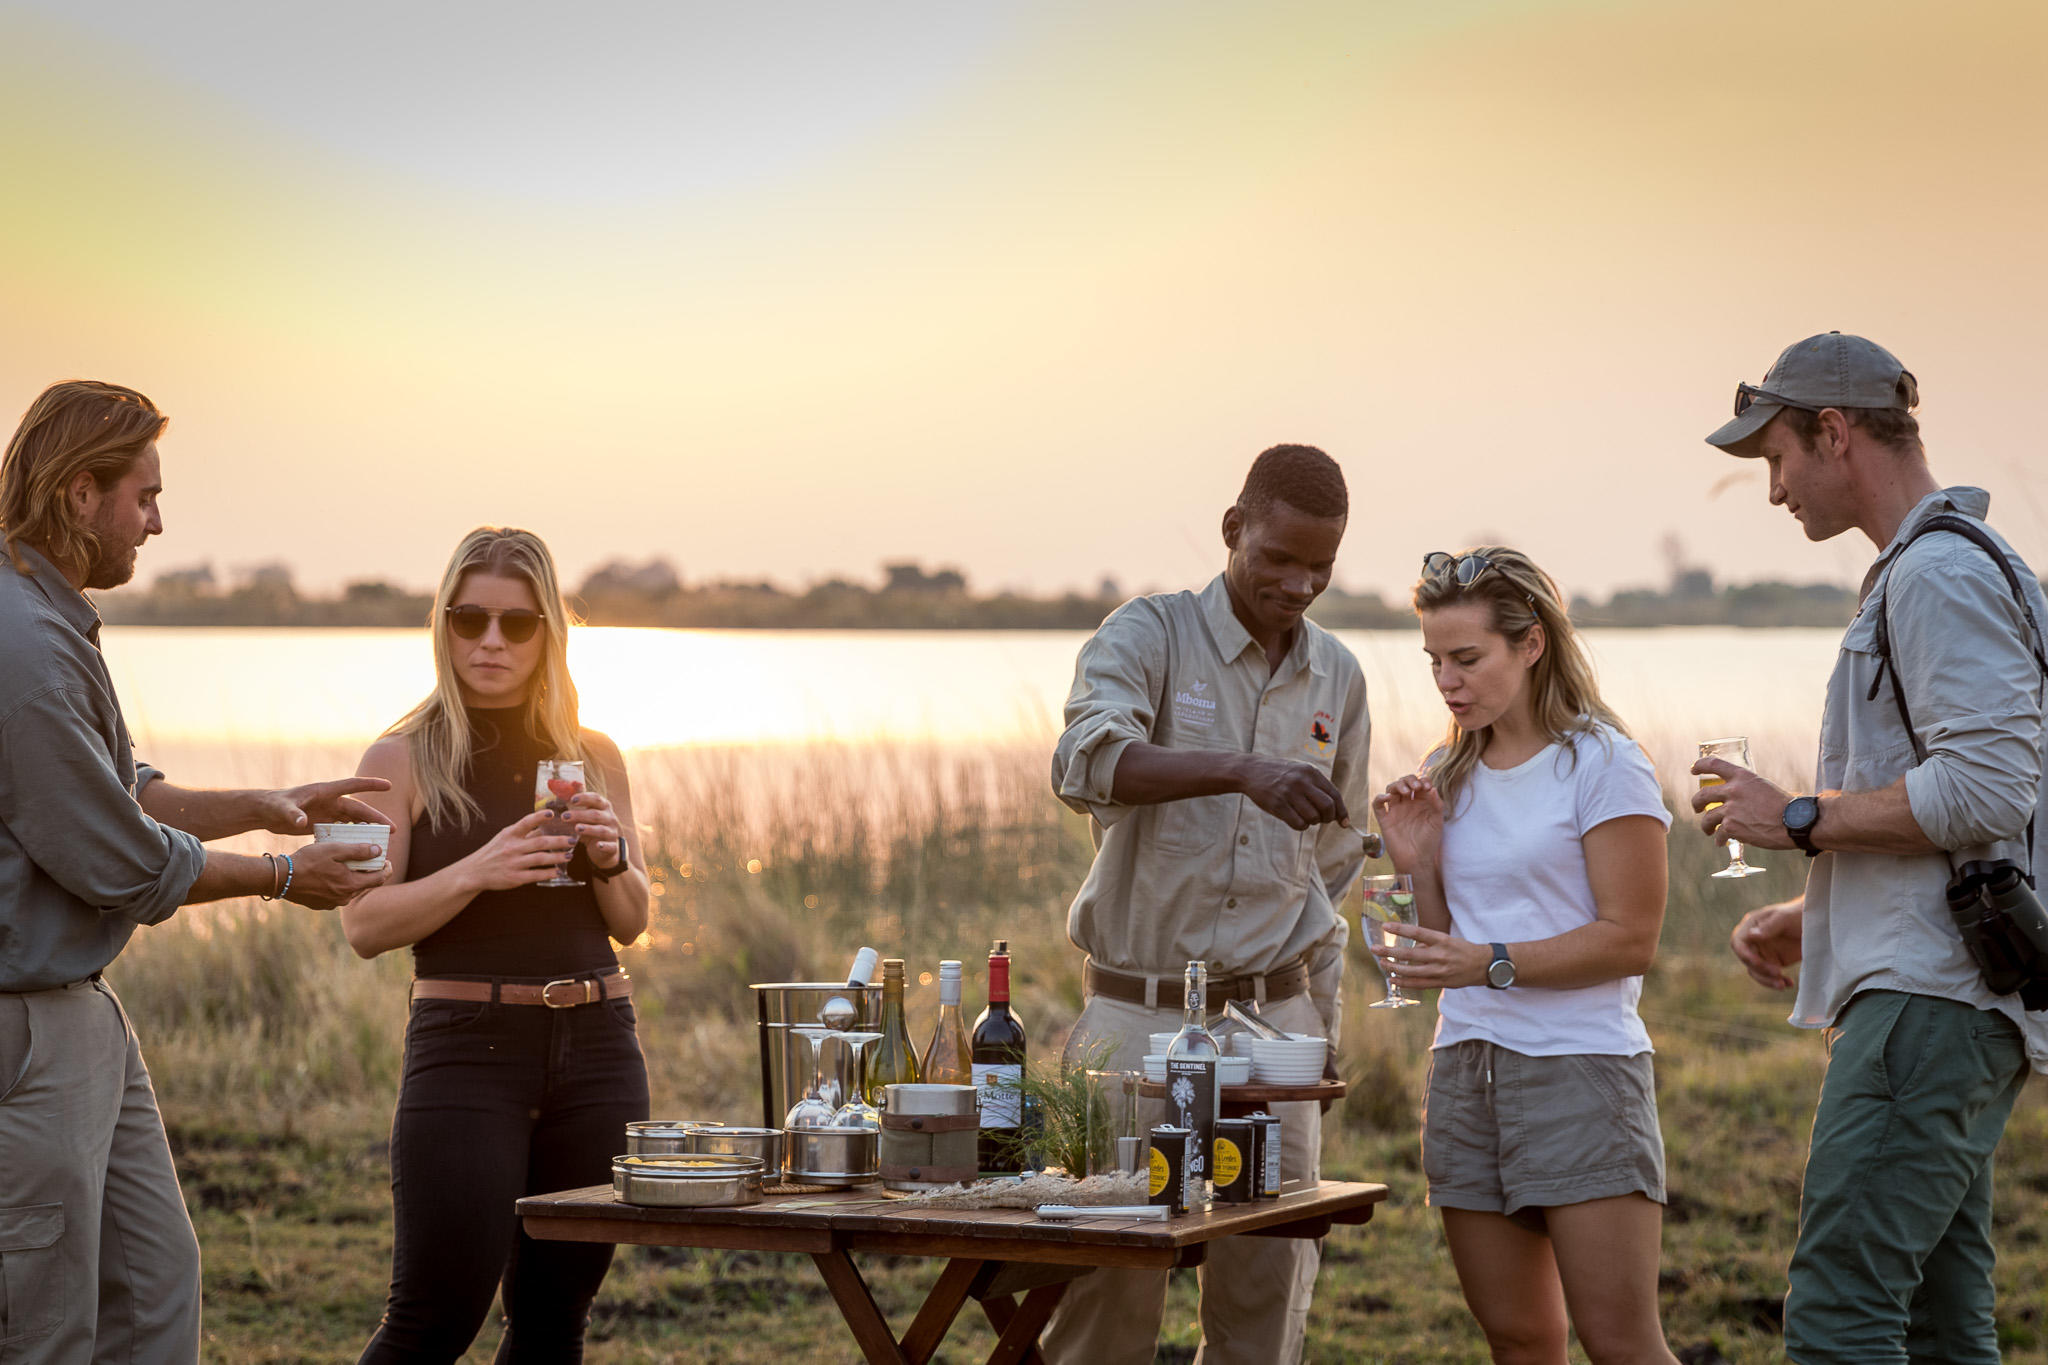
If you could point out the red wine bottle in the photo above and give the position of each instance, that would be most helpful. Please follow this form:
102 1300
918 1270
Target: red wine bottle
998 1059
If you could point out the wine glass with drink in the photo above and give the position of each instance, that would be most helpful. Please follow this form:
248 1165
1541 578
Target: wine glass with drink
1389 900
559 781
1736 751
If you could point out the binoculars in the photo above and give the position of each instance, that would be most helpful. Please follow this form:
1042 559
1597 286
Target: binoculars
2004 929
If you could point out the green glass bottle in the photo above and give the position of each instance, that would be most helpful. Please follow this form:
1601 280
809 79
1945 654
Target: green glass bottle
895 1060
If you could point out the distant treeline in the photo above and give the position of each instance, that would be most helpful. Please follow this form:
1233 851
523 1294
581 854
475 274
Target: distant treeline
908 597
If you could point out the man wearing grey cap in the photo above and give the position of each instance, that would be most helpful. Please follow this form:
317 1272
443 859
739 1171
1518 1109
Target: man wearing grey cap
1931 758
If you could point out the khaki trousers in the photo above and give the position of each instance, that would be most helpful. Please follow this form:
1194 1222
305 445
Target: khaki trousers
1255 1290
98 1260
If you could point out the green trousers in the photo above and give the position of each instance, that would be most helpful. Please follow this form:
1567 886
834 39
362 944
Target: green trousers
1894 1257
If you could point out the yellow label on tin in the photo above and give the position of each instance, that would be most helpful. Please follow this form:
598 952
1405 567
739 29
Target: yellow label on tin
1161 1172
1229 1162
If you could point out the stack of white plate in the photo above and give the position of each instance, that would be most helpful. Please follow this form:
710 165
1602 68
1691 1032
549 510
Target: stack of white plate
1229 1070
1161 1041
1288 1061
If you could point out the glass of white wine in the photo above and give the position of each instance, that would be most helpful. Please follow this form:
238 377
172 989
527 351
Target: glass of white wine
1736 751
1389 900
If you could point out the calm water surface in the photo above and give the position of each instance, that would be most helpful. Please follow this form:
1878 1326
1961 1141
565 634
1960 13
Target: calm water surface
261 706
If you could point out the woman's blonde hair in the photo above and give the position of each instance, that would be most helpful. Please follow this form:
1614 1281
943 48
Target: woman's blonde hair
437 731
1518 597
81 426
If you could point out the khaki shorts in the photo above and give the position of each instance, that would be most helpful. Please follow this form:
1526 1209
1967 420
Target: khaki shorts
1507 1133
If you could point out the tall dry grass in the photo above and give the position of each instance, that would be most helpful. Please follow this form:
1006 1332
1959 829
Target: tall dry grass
276 1053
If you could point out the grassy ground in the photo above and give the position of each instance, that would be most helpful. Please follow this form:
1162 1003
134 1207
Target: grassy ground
275 1054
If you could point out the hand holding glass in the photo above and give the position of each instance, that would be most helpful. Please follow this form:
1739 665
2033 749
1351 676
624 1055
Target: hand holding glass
1734 751
1389 900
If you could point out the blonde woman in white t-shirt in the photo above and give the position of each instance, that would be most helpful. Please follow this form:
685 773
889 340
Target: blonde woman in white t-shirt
1535 835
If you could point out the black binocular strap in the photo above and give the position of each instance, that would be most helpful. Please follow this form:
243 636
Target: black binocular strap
1971 531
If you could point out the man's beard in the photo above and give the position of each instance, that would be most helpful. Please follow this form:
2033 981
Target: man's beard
113 563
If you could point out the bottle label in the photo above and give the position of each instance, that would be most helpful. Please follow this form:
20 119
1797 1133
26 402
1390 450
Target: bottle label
1002 1103
1191 1098
1158 1172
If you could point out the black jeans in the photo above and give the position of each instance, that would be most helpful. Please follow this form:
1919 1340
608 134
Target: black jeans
500 1101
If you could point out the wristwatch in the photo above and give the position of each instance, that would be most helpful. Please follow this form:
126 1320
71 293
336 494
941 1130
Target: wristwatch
1802 813
1500 973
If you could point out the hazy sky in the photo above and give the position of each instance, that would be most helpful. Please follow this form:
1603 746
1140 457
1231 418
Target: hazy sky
785 290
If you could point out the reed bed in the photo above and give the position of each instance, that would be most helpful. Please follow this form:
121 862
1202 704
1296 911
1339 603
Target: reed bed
276 1051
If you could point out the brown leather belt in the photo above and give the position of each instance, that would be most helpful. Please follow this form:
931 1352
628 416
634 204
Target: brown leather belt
1288 979
566 993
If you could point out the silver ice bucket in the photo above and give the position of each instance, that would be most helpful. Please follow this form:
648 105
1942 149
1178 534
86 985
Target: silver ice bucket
785 1056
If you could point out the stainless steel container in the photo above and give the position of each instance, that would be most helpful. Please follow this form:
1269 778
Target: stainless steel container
785 1056
830 1156
664 1137
687 1182
762 1144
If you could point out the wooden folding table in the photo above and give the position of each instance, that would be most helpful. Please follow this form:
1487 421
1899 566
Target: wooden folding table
992 1256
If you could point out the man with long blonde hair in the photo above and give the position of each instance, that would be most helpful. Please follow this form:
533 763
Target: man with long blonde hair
99 1255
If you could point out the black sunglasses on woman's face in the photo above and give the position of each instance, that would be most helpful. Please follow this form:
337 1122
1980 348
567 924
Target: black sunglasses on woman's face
516 624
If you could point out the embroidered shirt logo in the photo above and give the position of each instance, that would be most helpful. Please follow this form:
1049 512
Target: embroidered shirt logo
1322 733
1192 705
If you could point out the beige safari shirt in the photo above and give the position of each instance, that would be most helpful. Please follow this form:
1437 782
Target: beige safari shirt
1877 921
1213 878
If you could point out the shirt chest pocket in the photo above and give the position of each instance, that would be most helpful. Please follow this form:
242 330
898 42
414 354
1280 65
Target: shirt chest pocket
1863 743
1232 832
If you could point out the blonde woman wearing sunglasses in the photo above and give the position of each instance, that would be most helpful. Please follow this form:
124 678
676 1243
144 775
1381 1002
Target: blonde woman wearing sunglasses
1535 835
522 1065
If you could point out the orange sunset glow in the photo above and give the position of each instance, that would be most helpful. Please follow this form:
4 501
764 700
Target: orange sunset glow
1020 289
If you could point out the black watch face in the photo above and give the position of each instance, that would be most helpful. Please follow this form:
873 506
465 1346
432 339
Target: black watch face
1802 814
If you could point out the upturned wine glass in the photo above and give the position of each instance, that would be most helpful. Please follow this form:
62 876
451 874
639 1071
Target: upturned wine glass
816 1107
857 1112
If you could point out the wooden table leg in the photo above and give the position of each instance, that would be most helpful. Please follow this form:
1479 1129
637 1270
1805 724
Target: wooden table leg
941 1306
1020 1325
857 1306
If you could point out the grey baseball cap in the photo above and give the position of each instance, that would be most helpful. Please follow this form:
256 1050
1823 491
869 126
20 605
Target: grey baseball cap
1826 371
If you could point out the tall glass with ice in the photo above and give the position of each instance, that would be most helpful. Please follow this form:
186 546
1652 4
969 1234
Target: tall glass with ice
560 781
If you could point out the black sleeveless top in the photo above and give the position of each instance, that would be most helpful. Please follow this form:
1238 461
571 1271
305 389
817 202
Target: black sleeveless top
530 931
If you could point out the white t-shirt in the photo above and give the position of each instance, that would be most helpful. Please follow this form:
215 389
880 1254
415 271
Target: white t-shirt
1514 868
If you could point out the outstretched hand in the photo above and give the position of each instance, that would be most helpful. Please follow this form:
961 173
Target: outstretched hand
295 810
322 879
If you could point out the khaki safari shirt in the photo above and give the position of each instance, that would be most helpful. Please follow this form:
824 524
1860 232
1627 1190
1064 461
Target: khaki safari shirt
1212 878
80 864
1877 921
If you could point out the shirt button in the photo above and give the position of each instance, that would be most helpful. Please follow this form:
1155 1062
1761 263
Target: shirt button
1230 904
1244 838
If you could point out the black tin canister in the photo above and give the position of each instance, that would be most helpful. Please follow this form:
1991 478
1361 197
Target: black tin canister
1266 1151
1167 1181
1236 1172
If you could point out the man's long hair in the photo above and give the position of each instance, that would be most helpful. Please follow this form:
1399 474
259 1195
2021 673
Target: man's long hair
437 731
81 426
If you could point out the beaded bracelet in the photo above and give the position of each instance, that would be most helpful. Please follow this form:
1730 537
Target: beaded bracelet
287 888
